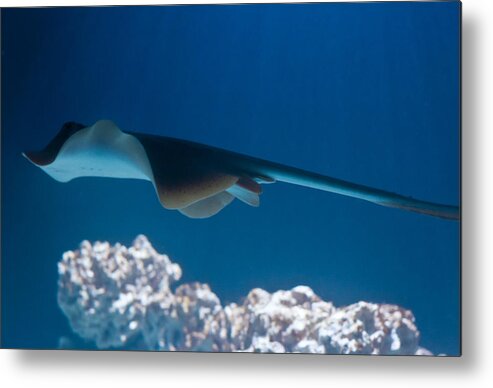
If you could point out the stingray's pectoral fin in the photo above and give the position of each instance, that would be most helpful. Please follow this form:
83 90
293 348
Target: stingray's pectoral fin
247 191
195 191
179 189
201 193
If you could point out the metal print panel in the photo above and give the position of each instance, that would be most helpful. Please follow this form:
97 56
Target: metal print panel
242 178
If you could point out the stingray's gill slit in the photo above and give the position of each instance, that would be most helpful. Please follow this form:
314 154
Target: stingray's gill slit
195 179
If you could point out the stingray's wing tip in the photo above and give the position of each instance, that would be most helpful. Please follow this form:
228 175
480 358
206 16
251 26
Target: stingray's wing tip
37 158
30 155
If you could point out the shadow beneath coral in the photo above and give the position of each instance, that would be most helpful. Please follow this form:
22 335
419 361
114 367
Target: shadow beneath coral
234 363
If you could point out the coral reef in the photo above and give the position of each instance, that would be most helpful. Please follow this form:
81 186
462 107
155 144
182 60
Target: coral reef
121 297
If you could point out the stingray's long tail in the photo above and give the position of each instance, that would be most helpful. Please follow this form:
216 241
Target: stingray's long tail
380 197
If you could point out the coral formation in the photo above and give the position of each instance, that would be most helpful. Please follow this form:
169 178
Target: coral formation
121 297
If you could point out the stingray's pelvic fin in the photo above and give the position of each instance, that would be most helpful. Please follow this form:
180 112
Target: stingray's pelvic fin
207 207
196 179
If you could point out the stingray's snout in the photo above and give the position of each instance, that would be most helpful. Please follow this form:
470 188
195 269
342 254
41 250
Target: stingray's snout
35 157
49 153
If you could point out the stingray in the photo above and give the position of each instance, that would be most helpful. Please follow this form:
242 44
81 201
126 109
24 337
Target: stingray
195 179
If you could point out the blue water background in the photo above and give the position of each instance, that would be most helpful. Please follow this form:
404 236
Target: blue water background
364 92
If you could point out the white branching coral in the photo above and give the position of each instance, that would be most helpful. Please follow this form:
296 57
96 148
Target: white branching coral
113 294
121 297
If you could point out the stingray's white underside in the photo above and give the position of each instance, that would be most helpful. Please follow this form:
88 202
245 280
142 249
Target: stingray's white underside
101 150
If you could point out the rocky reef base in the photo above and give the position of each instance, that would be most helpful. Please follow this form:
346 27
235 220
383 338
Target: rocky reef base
121 298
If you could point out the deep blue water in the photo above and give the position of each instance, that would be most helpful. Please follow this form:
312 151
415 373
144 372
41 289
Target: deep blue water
362 92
